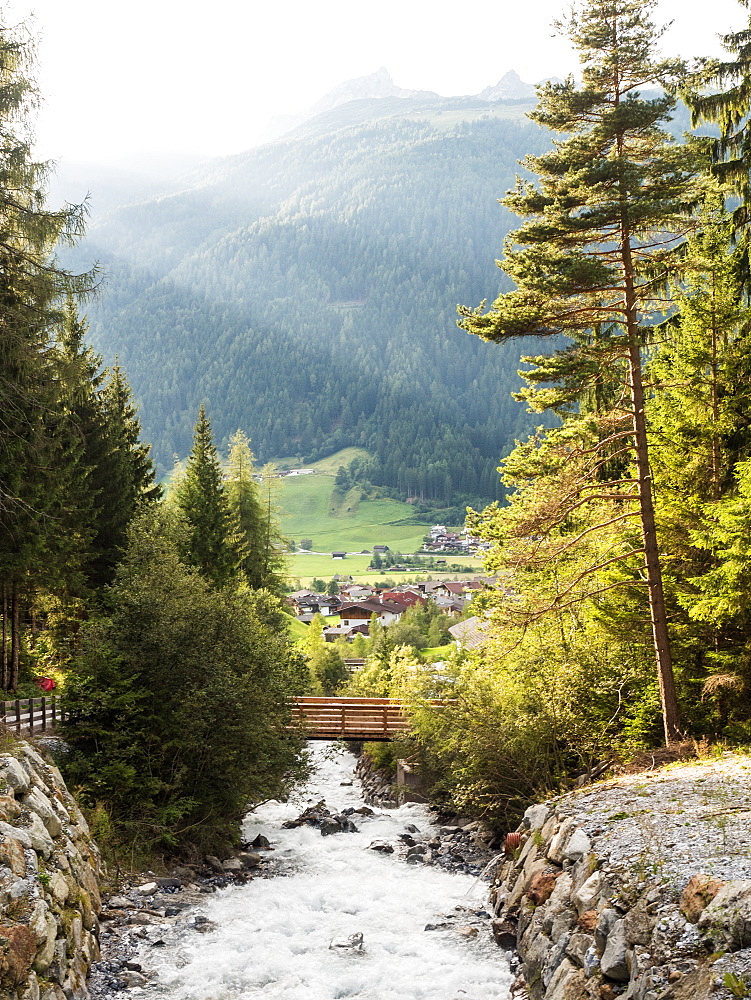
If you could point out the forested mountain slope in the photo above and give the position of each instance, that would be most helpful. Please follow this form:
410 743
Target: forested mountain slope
306 291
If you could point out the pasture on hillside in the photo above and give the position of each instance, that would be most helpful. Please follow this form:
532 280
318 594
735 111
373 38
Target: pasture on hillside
351 525
335 523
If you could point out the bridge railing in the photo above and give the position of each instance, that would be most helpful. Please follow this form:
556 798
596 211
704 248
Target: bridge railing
31 715
351 718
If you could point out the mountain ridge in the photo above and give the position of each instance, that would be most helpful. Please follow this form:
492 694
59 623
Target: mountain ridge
306 291
380 85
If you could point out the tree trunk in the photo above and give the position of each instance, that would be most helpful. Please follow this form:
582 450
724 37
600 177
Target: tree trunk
671 718
15 639
658 615
5 668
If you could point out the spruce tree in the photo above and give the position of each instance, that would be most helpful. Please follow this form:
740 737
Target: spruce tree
126 481
721 94
201 497
30 281
247 512
274 543
602 226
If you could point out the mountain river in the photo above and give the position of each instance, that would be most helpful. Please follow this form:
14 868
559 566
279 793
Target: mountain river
272 937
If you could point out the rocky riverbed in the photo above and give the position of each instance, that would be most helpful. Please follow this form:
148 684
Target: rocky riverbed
344 900
638 887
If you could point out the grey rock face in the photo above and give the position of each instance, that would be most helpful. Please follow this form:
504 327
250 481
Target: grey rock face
41 841
638 924
49 892
586 898
535 817
12 772
16 833
614 961
555 851
578 845
41 805
605 924
578 946
727 919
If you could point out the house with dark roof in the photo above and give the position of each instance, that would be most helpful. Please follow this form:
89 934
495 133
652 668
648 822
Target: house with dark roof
406 597
387 612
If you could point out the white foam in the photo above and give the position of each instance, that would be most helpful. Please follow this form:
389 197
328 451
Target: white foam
273 935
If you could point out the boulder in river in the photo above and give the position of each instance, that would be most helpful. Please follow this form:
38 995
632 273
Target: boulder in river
261 843
381 845
352 943
337 824
249 859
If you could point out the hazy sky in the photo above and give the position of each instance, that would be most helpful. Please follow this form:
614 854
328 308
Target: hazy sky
178 75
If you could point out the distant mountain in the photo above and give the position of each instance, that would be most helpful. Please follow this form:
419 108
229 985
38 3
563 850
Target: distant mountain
376 86
306 291
509 88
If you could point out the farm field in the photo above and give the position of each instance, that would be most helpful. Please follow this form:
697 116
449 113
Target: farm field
305 566
347 524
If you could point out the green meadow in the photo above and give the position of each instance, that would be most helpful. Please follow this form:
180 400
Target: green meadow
348 524
311 511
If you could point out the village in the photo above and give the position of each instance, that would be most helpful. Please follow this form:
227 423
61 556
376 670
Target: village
357 605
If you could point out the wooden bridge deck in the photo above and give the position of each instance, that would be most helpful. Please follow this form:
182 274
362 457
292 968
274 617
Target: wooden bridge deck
376 719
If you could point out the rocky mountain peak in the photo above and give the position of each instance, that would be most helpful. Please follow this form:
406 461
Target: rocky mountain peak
509 88
373 86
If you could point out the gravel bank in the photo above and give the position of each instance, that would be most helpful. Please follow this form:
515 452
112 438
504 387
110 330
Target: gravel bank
639 887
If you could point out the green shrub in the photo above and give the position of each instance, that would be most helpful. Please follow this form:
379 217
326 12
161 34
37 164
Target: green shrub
179 702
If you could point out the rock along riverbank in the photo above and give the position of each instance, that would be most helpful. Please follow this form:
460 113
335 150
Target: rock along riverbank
49 883
638 887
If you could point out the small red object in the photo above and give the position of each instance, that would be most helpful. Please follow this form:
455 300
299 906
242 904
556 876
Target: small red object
513 840
46 683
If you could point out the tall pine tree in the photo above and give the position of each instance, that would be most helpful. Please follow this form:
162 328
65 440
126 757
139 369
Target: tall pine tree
601 228
30 281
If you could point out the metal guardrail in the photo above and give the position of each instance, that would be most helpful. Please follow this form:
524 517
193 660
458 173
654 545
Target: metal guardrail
31 715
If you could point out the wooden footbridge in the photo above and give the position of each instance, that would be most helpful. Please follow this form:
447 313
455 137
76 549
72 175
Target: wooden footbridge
376 719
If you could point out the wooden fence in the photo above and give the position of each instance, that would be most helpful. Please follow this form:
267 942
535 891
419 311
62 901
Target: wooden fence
31 715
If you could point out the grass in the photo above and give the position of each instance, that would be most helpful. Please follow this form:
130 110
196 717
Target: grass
350 525
433 653
327 466
297 629
304 566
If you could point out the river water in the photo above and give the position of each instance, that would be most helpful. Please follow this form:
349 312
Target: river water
272 936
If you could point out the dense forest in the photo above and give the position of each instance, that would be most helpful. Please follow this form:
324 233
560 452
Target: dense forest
308 289
108 590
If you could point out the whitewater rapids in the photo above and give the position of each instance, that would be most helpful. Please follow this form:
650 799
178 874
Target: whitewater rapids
272 935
